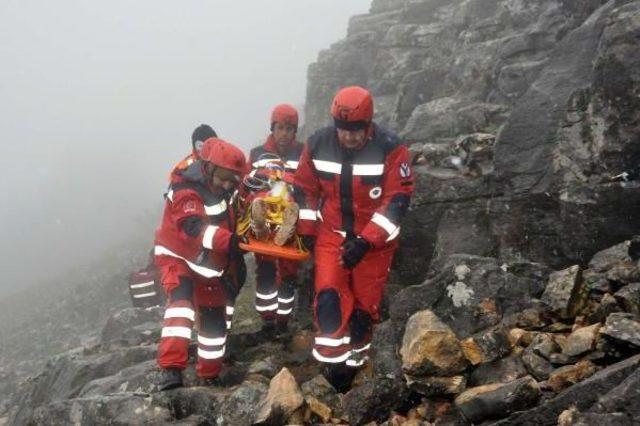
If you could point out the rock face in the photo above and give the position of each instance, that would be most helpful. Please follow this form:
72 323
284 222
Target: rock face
555 82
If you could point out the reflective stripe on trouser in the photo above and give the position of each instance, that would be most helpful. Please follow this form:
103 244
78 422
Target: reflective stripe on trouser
286 298
173 351
340 293
229 310
266 289
212 337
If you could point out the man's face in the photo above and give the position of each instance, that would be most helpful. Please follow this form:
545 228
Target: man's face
221 179
351 139
283 134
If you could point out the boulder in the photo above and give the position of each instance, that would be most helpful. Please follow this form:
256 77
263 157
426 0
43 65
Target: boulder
628 297
321 398
486 346
563 291
499 371
429 347
569 375
374 400
583 395
282 400
498 400
437 386
133 326
622 328
242 404
581 341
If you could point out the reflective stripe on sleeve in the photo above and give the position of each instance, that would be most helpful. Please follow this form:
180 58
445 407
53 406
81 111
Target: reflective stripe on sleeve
207 238
216 209
384 223
202 270
368 169
328 166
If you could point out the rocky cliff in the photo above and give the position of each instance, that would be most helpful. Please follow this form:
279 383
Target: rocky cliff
537 100
514 297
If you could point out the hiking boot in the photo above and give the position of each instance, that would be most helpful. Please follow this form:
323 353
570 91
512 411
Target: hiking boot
259 219
210 381
170 378
340 376
288 227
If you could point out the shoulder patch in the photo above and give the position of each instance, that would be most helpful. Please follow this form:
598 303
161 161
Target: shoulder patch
189 206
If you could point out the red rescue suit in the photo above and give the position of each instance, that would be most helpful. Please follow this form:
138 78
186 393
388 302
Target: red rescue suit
275 278
344 194
192 253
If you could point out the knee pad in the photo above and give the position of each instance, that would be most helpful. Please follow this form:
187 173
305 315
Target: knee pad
213 321
184 291
360 325
328 311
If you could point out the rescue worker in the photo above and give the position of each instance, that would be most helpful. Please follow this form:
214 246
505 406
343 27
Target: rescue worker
355 178
276 278
200 265
199 135
144 287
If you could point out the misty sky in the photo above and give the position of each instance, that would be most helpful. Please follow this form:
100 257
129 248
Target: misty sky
98 101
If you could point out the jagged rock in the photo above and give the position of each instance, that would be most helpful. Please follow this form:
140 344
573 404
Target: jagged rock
563 291
583 395
530 319
283 399
498 400
624 398
140 378
607 306
573 417
471 293
320 396
267 367
133 326
582 340
242 405
544 345
499 371
437 386
569 375
536 365
606 259
429 347
373 400
629 298
384 351
520 337
486 346
113 409
623 328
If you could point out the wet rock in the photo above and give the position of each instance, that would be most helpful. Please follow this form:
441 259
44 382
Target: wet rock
374 400
437 386
283 399
429 347
582 340
569 375
499 371
498 400
583 395
622 327
629 298
133 326
486 346
562 293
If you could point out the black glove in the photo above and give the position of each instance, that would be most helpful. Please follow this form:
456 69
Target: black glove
353 250
309 242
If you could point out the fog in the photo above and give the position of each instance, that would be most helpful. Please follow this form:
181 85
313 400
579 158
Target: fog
98 101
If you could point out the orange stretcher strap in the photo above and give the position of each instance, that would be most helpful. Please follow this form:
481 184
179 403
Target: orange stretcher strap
270 249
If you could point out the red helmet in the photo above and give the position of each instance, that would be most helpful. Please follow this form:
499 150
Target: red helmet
352 108
284 113
223 154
